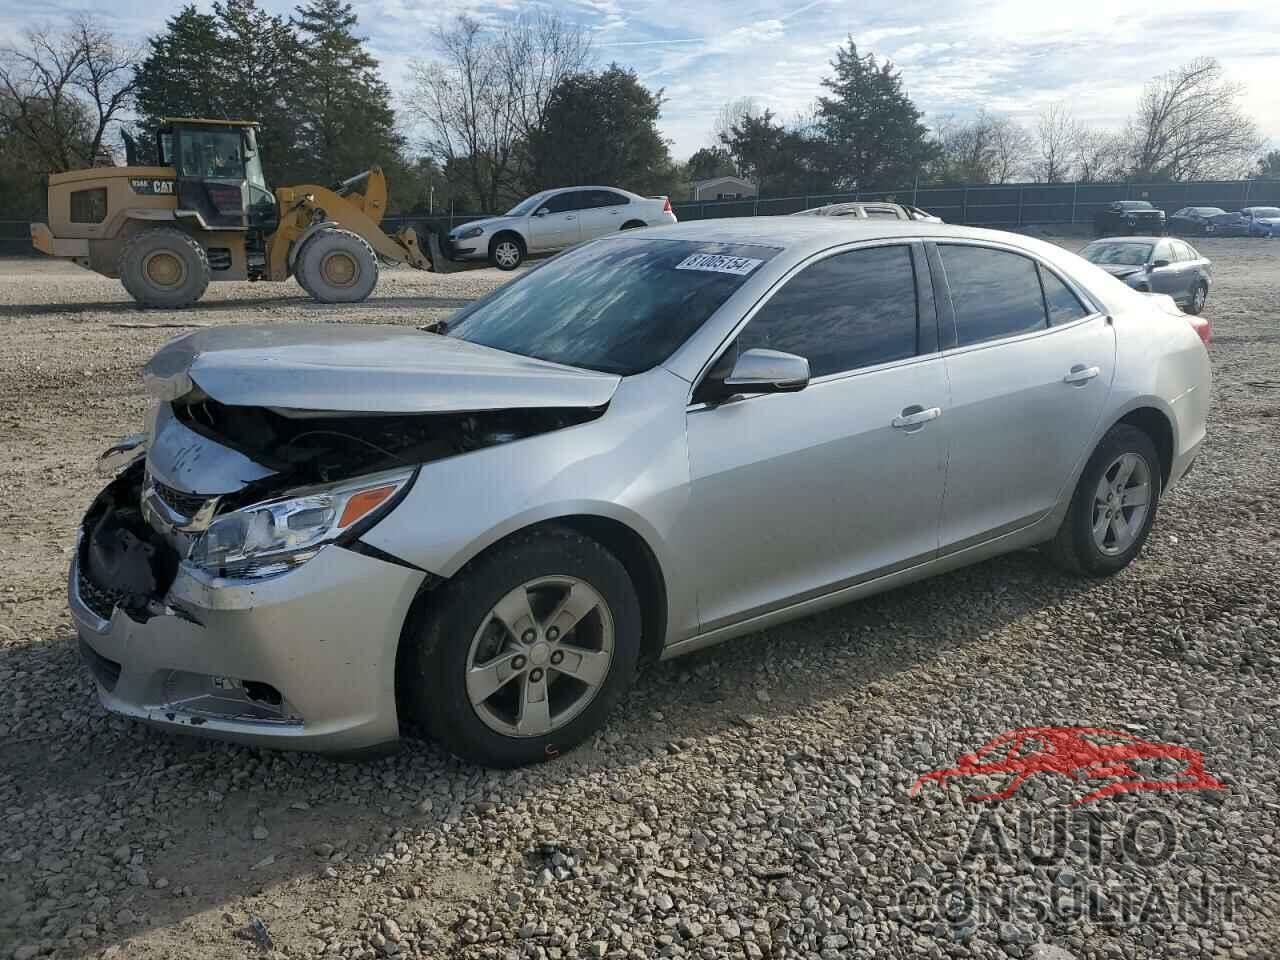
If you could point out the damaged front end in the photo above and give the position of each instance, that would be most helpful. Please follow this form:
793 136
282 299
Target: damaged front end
219 582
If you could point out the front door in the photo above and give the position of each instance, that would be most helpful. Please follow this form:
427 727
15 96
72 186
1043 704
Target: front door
560 225
1029 373
210 162
797 494
1170 278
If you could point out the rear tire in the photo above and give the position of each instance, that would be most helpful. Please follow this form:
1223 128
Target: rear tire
1195 306
1121 479
337 266
164 267
443 688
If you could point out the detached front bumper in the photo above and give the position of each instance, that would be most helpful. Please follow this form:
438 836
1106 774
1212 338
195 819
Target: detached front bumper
304 660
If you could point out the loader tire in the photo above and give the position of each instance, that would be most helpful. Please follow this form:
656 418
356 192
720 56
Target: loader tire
338 266
164 267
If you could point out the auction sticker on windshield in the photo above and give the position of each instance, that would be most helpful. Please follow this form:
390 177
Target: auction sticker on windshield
718 263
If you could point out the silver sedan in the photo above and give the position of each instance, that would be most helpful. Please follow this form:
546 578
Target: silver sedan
652 443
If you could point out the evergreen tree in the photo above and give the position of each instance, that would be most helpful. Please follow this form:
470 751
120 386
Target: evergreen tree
871 130
348 124
600 128
179 76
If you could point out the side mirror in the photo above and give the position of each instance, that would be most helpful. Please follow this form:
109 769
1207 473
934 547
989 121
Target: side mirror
767 371
1159 263
541 212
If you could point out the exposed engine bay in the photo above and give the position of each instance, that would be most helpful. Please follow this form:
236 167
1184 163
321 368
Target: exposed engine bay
308 447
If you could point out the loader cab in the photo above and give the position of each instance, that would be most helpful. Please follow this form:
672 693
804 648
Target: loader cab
219 168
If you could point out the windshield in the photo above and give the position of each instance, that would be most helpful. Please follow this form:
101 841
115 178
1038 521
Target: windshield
527 205
619 305
1208 211
1128 254
1266 213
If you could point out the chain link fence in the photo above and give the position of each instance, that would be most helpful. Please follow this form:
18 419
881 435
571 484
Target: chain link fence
987 205
1011 205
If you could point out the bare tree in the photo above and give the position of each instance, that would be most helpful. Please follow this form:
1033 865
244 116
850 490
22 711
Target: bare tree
1099 156
990 148
486 92
537 52
1190 126
730 115
1057 144
60 92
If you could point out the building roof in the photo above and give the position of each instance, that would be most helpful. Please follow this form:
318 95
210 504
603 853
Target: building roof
714 180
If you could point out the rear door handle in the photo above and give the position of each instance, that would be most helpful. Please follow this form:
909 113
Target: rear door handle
1081 374
915 417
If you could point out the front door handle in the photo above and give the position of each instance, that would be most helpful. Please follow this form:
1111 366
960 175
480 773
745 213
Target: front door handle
915 417
569 217
1081 374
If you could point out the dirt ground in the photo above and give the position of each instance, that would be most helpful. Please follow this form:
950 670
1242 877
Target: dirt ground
790 750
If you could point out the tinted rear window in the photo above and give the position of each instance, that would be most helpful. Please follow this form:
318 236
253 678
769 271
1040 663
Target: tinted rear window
619 305
995 294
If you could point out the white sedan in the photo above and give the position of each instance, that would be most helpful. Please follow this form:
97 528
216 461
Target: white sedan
553 220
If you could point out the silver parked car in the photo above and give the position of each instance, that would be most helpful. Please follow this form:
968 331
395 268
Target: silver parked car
652 443
1156 265
553 220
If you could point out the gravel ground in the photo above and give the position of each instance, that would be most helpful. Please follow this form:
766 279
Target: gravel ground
750 801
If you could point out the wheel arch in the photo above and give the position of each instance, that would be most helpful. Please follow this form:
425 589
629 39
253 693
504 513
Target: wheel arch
1157 425
632 224
621 539
514 235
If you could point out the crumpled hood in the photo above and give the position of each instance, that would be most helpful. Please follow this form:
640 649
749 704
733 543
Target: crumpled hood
1120 270
364 369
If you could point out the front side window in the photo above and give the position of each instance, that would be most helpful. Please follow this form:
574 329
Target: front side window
1164 251
211 154
560 203
994 293
1185 251
619 305
848 311
1063 305
527 206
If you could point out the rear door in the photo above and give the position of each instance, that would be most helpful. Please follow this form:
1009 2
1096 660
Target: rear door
607 213
1168 278
1030 365
560 226
798 494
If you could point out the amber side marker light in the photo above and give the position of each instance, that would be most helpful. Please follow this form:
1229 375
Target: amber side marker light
363 502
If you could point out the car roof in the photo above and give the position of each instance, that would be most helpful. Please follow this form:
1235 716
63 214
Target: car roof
803 235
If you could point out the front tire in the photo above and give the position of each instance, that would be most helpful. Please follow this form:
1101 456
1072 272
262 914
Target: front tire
1113 507
337 266
164 267
526 651
506 252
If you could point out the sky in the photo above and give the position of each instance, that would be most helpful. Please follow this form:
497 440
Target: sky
956 56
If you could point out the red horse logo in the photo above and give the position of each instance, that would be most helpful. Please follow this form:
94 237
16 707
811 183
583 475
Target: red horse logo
1089 753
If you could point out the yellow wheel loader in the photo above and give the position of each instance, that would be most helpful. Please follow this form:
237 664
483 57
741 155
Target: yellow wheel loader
206 214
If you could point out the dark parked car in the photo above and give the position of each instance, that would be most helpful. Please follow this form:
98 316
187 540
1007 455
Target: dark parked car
1129 216
1207 222
1156 265
1262 221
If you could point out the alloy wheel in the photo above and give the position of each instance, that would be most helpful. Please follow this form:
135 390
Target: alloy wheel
506 253
540 657
1121 503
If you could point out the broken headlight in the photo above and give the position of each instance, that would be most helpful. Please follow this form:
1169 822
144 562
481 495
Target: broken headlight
269 538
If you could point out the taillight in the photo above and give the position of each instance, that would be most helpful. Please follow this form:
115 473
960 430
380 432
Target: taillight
1203 328
666 205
